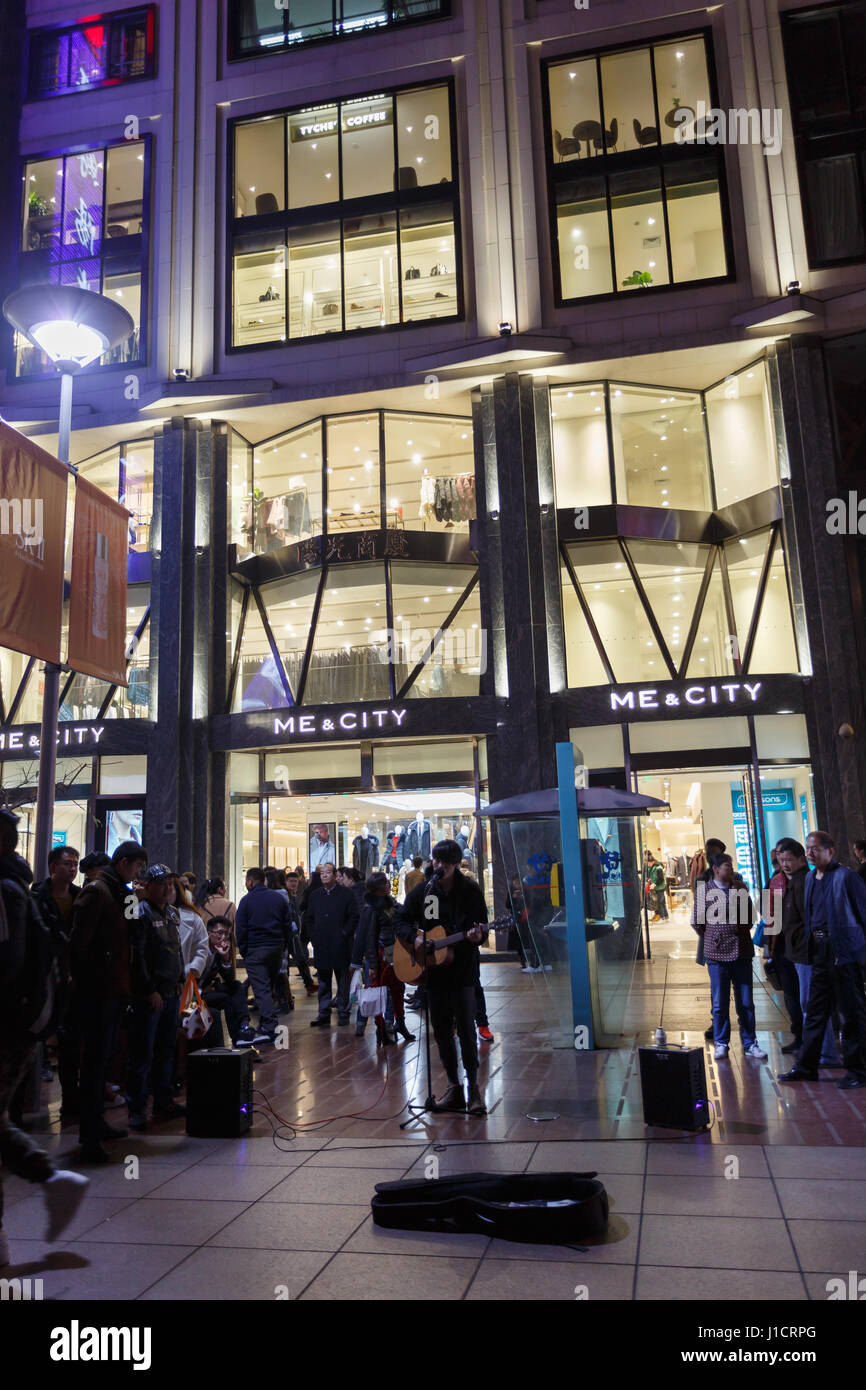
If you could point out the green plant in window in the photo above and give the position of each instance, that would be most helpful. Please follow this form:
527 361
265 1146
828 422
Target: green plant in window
642 278
38 206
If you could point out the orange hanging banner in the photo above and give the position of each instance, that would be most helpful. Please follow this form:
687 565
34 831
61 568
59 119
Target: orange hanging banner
97 601
32 539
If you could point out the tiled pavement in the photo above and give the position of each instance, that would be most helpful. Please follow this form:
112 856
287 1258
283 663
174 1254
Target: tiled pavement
255 1219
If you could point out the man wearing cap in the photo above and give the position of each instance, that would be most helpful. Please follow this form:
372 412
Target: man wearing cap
157 977
21 931
100 951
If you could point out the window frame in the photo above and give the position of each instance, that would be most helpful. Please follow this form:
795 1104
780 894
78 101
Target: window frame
824 137
395 201
660 157
142 237
114 20
235 54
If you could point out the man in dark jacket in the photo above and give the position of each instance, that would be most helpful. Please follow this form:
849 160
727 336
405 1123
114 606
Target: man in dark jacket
100 955
56 896
263 928
789 949
27 1005
330 920
834 912
456 903
157 978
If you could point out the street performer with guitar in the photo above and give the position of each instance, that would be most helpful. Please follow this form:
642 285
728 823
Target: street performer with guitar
451 901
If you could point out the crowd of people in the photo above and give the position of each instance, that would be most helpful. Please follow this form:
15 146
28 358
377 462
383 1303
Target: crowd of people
813 934
98 974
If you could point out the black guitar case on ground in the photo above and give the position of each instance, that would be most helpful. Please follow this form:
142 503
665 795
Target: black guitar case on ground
536 1208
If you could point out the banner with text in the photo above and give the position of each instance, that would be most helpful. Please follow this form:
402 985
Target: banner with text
32 540
97 602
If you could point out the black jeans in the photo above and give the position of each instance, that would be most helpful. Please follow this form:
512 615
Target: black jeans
298 954
450 1005
344 976
263 966
152 1048
841 985
69 1056
230 1000
99 1021
790 985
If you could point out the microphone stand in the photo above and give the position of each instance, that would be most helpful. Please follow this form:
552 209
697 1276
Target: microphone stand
429 1106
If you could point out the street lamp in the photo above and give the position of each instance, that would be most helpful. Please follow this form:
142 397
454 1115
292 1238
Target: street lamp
73 327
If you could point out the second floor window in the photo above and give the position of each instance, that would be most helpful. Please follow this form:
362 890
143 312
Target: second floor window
825 55
84 222
345 217
260 26
102 50
631 206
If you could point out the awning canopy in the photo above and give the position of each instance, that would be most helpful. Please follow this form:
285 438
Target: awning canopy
591 801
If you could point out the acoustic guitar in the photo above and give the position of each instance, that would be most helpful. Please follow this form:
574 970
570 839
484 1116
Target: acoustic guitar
411 965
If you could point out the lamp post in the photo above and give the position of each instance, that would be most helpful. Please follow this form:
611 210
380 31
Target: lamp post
73 327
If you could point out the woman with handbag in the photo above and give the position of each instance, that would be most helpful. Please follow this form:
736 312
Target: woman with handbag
373 953
723 916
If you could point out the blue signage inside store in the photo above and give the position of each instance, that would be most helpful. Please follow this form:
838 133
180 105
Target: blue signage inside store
58 838
782 799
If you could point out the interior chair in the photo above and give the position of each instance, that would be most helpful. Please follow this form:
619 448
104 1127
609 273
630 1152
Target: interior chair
407 177
266 202
645 135
565 146
610 136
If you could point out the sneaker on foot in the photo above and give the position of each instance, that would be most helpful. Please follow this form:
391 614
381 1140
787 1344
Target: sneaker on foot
64 1193
851 1081
261 1037
721 1050
246 1036
485 1034
757 1052
476 1104
453 1098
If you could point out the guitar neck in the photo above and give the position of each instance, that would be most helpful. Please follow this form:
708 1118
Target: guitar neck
444 941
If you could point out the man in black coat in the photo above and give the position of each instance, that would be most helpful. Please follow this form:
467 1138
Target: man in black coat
263 928
330 920
56 896
453 901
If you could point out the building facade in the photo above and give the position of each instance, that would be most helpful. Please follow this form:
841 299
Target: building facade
493 368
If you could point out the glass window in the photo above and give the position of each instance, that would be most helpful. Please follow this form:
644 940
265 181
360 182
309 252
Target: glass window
370 271
424 456
424 597
617 612
627 88
682 81
397 261
43 202
639 242
259 306
288 488
713 651
835 207
259 684
742 443
583 233
671 576
124 190
103 471
658 193
660 452
350 655
112 48
241 501
775 649
353 473
745 556
259 172
428 259
258 26
695 220
367 146
580 446
423 137
12 668
289 606
314 156
137 490
86 695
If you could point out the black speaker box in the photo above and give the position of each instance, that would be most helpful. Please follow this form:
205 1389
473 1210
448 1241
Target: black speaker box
219 1092
674 1086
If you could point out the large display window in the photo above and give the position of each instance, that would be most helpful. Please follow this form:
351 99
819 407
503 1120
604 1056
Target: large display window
656 446
101 51
383 468
125 473
633 206
84 222
345 217
350 633
257 27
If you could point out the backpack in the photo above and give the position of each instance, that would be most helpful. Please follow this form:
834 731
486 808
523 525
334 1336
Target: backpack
33 980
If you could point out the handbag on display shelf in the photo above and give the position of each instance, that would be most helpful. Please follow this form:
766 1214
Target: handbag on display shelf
195 1016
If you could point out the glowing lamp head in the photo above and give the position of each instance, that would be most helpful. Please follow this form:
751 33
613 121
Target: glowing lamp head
65 341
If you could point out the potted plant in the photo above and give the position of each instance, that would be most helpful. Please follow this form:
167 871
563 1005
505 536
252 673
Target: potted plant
641 278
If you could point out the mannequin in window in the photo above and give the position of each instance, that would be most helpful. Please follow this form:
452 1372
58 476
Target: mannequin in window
418 837
365 851
395 849
462 838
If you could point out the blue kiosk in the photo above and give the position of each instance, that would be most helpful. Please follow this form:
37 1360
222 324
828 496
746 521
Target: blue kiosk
574 866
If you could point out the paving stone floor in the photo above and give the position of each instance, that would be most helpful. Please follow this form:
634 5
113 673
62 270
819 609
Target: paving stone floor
290 1216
